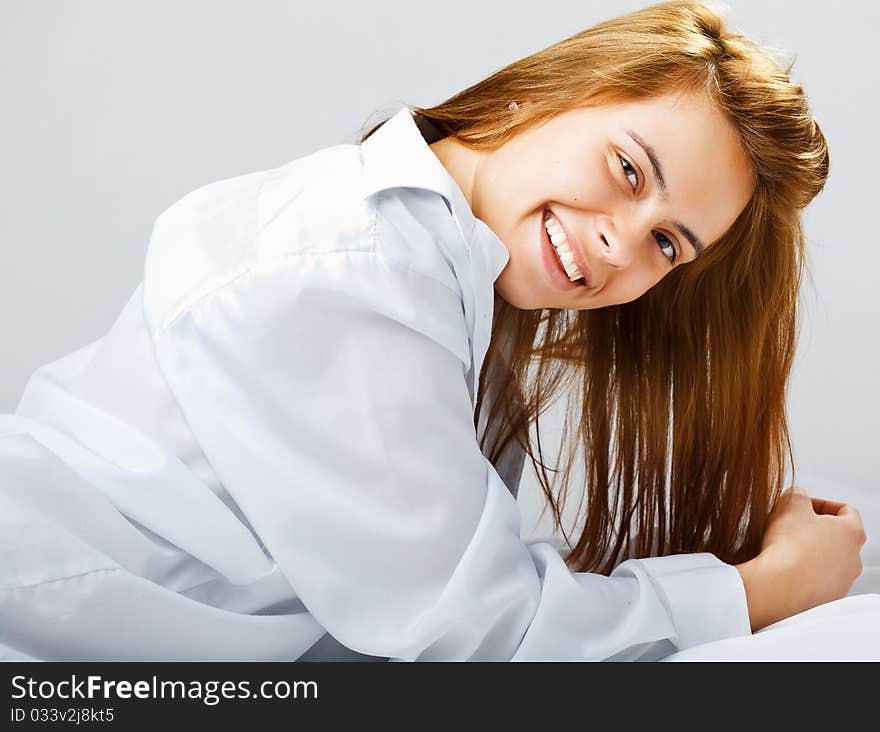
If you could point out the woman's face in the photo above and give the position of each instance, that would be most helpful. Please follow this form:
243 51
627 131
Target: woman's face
627 219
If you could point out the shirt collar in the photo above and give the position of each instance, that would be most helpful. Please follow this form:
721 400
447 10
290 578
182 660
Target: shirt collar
397 155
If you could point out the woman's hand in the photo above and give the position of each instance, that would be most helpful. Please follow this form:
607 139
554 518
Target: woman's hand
809 556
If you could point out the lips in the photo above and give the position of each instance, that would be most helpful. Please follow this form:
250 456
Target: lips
576 250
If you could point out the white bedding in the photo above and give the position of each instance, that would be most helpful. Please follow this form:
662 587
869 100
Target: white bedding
845 630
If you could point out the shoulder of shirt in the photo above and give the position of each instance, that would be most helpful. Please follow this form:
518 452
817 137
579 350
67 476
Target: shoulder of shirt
313 206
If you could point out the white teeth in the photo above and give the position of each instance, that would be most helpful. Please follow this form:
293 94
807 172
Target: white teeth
560 244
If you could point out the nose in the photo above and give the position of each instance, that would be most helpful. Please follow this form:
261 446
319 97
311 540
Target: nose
619 243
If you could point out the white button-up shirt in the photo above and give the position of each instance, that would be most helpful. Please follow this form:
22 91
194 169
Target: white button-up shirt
271 454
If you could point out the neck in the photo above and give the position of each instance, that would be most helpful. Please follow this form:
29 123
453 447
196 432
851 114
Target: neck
461 163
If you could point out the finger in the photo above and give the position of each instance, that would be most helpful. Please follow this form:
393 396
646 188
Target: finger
798 494
789 499
850 513
824 506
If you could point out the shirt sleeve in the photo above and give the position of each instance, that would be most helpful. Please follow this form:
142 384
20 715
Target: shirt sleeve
328 392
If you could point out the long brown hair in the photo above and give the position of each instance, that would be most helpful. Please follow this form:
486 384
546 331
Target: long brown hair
678 398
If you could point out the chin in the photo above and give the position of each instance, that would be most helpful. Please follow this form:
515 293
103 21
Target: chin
519 299
519 291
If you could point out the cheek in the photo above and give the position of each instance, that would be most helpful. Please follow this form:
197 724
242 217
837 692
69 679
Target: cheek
629 285
586 183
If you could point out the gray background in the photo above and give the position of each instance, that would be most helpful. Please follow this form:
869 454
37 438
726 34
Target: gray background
110 111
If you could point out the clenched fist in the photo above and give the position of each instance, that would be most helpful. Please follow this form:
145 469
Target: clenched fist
809 556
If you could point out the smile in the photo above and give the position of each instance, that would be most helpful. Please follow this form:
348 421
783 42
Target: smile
563 251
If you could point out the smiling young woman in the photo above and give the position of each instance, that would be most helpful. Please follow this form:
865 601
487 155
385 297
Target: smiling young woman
676 157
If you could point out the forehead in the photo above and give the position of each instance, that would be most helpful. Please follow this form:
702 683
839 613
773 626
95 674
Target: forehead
677 123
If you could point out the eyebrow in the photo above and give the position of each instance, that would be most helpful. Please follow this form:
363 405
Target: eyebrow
694 240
